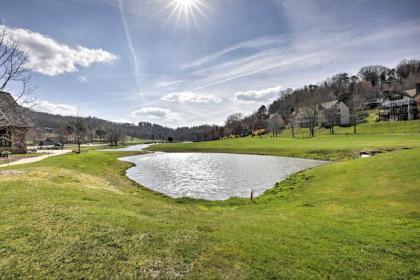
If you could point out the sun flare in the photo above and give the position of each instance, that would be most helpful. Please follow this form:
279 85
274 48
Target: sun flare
186 3
187 11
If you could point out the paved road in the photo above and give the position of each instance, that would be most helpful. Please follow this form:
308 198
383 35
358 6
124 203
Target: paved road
52 146
52 153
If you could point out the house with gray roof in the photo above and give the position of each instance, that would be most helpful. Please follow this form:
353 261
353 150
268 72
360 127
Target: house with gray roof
13 125
400 105
341 115
342 112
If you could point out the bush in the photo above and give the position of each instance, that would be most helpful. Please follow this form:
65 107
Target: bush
260 132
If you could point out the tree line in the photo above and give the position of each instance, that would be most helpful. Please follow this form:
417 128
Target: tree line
103 130
354 90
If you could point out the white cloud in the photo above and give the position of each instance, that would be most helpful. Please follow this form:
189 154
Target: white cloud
82 78
191 97
56 109
51 58
152 112
264 95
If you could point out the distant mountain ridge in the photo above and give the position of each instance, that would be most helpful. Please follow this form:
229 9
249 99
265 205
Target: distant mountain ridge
145 130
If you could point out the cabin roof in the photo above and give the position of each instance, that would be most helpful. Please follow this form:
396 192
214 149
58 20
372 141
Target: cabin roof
275 115
411 92
328 105
11 114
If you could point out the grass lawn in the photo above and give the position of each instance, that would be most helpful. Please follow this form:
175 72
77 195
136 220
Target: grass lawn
343 145
77 216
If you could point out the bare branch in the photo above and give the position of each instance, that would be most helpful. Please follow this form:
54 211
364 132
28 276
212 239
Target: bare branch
13 71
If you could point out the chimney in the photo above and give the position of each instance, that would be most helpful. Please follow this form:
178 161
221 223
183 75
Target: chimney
417 88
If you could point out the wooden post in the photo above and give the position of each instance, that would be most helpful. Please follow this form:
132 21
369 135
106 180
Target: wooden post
252 194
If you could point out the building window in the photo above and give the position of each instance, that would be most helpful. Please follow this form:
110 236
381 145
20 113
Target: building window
5 138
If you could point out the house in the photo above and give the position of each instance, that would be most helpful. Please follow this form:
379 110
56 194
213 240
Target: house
400 105
415 93
374 103
13 125
342 111
321 118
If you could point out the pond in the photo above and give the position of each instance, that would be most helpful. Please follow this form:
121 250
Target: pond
212 176
132 148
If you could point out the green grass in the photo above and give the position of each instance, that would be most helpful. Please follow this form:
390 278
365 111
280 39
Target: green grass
343 145
134 140
77 216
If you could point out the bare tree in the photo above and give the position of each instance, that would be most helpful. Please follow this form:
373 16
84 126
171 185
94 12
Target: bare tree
405 68
33 135
330 115
355 103
62 136
77 127
309 114
114 136
13 75
292 120
275 123
13 70
234 122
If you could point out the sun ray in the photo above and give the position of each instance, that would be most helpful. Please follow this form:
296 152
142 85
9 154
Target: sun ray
186 11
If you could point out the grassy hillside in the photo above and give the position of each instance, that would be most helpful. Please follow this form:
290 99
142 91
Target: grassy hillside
77 216
343 145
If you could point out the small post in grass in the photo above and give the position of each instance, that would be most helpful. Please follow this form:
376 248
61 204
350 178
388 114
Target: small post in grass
252 194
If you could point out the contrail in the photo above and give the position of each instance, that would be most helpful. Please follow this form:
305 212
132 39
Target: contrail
130 47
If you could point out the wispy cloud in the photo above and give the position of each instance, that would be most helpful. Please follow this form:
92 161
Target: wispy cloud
306 50
191 97
168 84
51 58
135 62
259 44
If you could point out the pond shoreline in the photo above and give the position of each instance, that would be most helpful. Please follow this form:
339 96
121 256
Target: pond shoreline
213 176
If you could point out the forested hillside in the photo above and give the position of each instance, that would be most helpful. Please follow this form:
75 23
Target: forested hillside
368 83
355 90
144 130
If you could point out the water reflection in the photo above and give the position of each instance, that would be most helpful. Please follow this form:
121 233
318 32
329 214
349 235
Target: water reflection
212 176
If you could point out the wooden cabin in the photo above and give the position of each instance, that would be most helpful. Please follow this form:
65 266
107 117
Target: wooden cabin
13 125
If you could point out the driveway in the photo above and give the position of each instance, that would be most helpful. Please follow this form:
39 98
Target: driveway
51 153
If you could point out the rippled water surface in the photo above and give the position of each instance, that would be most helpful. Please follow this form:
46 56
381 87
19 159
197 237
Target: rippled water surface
133 148
212 176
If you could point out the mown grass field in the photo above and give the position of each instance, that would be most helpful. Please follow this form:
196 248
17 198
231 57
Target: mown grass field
78 216
343 145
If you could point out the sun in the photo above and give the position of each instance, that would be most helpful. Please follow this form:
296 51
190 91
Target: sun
186 11
187 4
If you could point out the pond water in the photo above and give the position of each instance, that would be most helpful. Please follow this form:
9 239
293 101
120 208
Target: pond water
212 176
132 148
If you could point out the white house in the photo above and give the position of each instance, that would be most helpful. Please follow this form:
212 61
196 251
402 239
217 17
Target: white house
341 109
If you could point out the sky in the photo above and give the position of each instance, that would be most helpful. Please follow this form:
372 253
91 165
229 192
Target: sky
191 62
